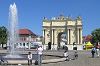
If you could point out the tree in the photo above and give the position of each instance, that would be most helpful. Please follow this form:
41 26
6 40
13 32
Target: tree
3 35
88 38
96 35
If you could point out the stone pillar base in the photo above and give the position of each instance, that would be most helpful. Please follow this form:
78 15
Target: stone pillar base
79 47
70 47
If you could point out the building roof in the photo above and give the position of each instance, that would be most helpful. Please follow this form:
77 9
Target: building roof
26 32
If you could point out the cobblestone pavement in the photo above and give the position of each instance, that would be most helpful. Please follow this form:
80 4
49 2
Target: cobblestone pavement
84 59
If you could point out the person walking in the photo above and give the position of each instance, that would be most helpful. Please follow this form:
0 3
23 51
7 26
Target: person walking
40 52
93 52
75 54
65 48
66 55
29 58
74 46
97 52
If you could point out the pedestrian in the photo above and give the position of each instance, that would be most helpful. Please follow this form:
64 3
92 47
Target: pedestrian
65 48
93 52
97 52
74 46
40 52
66 55
75 54
29 58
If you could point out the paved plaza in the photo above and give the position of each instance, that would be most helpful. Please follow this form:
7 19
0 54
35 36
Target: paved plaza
84 59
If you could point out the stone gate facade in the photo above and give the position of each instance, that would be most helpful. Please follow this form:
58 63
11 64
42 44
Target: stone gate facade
54 28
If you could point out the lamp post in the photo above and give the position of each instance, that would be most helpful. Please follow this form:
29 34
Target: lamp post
50 33
29 41
76 31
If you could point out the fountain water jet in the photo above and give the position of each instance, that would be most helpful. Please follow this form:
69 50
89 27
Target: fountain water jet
13 36
13 57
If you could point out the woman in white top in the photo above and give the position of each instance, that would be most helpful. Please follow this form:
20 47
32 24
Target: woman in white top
40 52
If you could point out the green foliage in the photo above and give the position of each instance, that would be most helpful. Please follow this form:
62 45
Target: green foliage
3 35
96 35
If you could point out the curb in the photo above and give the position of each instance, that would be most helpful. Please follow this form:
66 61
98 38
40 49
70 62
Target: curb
25 62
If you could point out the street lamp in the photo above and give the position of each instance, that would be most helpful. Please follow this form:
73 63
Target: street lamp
29 42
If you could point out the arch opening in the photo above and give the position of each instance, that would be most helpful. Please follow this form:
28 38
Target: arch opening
62 39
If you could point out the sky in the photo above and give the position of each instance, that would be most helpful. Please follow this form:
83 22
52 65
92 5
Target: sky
31 12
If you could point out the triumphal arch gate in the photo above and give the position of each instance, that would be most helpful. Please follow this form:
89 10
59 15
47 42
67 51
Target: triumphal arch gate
60 31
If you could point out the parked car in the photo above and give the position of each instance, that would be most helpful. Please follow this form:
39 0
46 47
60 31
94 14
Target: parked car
34 46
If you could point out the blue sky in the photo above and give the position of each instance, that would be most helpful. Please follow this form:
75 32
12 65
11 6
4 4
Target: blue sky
31 12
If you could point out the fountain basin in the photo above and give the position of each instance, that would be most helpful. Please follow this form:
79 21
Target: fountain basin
25 62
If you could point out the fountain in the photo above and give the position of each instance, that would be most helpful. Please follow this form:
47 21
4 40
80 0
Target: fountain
13 57
13 32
